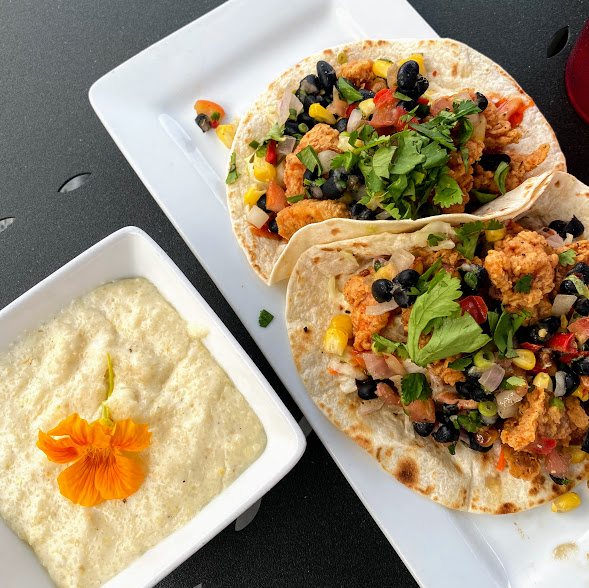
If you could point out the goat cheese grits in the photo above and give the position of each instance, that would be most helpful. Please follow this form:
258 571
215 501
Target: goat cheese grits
204 433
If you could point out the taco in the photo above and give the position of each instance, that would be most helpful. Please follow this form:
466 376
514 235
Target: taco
374 135
458 357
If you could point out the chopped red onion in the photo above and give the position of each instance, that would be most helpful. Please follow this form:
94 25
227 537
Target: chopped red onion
560 388
395 365
289 100
376 366
552 237
381 308
325 159
285 147
369 406
354 120
402 259
562 304
492 377
337 106
507 403
257 217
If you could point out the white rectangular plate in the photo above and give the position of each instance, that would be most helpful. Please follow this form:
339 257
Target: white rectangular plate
146 105
131 253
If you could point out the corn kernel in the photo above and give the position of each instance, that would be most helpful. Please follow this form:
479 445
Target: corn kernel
576 453
385 272
415 57
525 359
263 171
566 502
542 380
252 196
380 68
495 235
343 143
226 133
335 341
581 393
418 266
367 107
343 322
320 113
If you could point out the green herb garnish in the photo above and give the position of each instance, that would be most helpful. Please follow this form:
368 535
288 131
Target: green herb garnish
433 239
348 92
461 363
381 344
414 387
265 318
523 285
309 158
469 234
483 197
232 175
500 175
567 257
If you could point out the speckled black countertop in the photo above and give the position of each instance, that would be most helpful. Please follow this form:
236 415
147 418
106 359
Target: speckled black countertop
311 529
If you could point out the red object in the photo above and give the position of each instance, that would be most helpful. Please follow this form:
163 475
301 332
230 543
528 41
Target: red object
501 461
264 231
476 307
580 328
271 152
542 445
422 100
384 98
544 363
389 116
209 108
563 342
557 463
576 75
358 360
531 347
275 197
350 108
422 411
377 366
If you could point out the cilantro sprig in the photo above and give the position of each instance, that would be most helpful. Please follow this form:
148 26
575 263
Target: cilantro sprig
232 175
469 234
567 257
523 285
414 387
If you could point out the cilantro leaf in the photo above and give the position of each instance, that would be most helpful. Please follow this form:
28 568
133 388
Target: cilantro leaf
471 280
440 134
381 344
309 158
461 363
232 175
470 421
452 449
483 197
464 155
382 160
422 281
408 155
402 96
504 329
464 132
464 108
414 387
469 233
524 284
275 133
265 318
378 265
348 160
434 238
512 383
435 156
567 257
500 175
297 198
349 93
447 191
254 144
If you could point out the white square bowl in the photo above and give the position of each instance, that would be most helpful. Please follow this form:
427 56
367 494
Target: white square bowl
126 253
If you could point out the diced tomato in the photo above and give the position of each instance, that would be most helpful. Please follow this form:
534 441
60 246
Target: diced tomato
563 342
531 346
264 231
388 394
275 197
557 463
350 108
390 117
422 411
271 152
516 118
501 461
568 357
210 108
580 328
544 363
542 445
422 100
476 307
384 98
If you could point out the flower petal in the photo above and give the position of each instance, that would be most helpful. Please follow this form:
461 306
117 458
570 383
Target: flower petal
77 482
118 476
130 437
81 432
58 450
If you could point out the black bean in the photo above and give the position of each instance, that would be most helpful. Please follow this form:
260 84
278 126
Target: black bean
354 182
471 389
421 86
558 226
571 382
310 84
575 227
366 389
446 433
582 306
541 331
481 101
273 225
580 366
407 104
403 298
407 76
559 481
311 175
261 203
478 277
341 125
382 290
366 94
327 76
424 429
312 99
406 279
585 444
491 161
476 446
361 212
581 270
305 119
335 185
291 127
203 122
450 409
568 287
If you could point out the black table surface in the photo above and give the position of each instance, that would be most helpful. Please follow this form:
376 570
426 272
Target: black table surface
311 529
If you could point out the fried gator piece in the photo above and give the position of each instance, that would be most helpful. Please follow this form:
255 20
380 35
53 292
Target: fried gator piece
358 72
358 295
322 138
515 256
305 212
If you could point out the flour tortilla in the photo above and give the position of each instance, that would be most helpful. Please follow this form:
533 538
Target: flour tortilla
457 66
469 480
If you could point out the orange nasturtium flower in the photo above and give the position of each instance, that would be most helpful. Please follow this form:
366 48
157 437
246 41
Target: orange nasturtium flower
101 471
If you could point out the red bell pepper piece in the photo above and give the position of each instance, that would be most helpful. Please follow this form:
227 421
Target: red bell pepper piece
542 445
385 98
476 307
531 346
563 342
271 152
350 108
